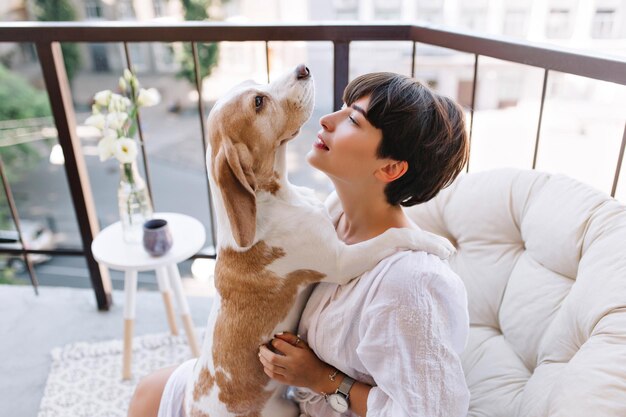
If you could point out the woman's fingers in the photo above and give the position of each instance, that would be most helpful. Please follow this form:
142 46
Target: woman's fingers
284 354
271 357
270 363
292 339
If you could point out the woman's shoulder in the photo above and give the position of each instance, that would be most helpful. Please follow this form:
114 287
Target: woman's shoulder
409 274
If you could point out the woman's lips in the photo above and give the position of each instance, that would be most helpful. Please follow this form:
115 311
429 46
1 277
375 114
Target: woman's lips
319 144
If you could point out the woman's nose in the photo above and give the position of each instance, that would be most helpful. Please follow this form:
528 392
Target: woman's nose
327 122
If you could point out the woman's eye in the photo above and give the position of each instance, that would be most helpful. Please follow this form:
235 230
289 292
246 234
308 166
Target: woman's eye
258 101
352 120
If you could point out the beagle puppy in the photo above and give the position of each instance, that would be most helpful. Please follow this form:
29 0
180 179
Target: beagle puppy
273 240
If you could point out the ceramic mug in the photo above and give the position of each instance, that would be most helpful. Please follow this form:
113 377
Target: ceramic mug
157 239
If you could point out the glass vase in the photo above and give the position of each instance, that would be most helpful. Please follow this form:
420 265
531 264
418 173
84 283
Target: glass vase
134 202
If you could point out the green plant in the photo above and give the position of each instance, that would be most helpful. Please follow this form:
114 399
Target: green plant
61 11
7 276
207 52
18 100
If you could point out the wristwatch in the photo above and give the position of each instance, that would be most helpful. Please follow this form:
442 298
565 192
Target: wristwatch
339 400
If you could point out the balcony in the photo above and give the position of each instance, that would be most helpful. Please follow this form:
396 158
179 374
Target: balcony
528 133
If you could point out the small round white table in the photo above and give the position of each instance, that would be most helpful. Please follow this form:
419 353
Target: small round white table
110 249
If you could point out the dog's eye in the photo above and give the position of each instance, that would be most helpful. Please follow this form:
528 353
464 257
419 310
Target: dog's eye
258 102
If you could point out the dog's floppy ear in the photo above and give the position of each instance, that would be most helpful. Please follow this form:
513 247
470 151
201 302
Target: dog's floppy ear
237 182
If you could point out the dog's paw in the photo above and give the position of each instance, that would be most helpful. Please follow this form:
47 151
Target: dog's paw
421 240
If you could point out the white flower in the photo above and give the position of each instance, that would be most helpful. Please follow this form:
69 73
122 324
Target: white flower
116 120
96 120
102 97
122 84
95 109
149 97
116 103
106 147
125 150
128 75
109 132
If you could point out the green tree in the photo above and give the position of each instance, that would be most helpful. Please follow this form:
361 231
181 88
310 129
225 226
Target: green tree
61 11
18 100
7 276
207 52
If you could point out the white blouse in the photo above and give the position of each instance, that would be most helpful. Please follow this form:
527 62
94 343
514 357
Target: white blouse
401 328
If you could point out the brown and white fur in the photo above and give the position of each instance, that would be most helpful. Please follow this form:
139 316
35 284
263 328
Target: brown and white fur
273 240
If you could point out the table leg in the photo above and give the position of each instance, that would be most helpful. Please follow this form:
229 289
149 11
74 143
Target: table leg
177 286
166 292
130 292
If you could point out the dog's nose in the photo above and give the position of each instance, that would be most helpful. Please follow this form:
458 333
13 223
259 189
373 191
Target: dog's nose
302 72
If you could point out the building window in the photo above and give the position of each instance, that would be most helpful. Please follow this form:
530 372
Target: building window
158 8
430 15
93 10
473 19
603 23
388 9
164 57
138 53
346 9
559 26
125 10
515 23
432 4
99 57
430 11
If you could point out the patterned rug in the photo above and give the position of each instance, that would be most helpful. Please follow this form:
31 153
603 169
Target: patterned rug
86 378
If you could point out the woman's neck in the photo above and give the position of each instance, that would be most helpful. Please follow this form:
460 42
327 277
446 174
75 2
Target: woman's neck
366 214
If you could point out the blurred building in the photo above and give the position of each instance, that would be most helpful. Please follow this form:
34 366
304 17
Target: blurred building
154 57
101 57
12 10
592 25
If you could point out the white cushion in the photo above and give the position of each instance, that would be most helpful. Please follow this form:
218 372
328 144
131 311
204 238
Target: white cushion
543 258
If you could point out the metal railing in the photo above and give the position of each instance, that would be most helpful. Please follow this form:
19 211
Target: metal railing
47 38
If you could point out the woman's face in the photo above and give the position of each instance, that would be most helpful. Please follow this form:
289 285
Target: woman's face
346 145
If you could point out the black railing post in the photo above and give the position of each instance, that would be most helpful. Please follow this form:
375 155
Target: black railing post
205 145
620 159
59 94
341 71
18 227
413 59
543 101
472 106
267 60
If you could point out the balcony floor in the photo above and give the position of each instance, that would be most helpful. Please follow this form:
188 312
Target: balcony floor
31 326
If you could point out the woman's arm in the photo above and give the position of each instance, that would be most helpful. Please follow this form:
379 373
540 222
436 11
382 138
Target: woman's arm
410 336
296 364
410 339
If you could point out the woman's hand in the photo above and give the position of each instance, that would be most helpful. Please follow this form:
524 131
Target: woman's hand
295 363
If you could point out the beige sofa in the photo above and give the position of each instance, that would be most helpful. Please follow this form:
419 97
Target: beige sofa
543 258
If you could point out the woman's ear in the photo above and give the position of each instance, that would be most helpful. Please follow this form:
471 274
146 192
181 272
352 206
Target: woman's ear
392 170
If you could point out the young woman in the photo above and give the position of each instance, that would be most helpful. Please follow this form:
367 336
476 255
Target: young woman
388 342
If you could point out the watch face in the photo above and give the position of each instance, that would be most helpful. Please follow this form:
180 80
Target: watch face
338 403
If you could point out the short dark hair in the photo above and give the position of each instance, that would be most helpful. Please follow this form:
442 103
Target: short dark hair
419 126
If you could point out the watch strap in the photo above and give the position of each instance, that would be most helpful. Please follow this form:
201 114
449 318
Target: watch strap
345 386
